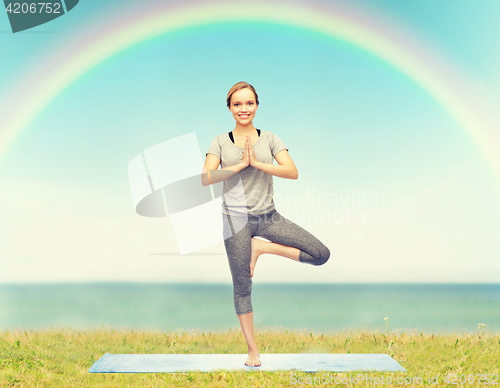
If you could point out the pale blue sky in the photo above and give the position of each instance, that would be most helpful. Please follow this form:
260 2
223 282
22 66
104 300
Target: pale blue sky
352 125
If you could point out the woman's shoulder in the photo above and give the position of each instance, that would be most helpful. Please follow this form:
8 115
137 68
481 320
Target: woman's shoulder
222 137
265 133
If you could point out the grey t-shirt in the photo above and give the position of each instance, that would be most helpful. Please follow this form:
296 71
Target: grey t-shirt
249 191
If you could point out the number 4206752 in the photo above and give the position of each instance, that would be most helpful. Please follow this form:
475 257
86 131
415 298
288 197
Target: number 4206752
33 8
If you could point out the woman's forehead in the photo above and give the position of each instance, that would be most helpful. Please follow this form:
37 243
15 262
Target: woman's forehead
243 94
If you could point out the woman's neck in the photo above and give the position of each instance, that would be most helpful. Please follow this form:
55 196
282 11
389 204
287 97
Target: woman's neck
243 130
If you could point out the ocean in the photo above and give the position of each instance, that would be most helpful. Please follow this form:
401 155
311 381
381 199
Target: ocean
318 308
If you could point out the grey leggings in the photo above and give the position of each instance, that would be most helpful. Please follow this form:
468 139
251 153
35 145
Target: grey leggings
238 233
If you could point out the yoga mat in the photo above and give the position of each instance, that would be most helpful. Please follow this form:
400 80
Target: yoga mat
307 362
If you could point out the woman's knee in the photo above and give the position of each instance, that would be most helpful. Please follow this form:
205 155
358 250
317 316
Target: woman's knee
324 255
243 303
317 255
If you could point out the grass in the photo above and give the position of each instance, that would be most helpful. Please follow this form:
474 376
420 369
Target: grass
62 357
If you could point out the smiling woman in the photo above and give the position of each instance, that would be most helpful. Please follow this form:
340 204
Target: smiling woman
246 157
243 111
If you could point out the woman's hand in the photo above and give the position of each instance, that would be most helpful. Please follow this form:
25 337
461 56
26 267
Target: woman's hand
246 157
251 153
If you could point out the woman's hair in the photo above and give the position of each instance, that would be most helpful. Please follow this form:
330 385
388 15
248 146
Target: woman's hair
238 86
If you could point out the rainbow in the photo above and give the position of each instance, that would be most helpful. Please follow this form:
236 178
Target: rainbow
365 32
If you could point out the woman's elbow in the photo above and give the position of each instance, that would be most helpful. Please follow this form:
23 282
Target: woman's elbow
204 179
295 175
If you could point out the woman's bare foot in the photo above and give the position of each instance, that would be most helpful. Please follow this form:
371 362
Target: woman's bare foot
253 358
256 252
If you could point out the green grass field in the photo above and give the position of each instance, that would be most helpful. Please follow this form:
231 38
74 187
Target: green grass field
62 357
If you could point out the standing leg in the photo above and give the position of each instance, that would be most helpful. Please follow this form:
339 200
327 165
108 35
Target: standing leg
246 323
238 248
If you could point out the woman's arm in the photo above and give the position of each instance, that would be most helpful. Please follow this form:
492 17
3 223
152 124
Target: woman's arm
286 168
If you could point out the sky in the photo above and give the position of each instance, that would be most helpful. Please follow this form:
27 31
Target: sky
389 179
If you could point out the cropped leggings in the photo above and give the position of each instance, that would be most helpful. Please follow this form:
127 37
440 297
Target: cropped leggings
238 232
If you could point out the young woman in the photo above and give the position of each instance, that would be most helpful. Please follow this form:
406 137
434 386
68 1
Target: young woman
246 157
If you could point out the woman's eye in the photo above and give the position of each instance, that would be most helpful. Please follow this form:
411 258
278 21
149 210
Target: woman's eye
250 103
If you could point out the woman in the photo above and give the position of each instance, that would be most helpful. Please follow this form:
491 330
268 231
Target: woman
246 157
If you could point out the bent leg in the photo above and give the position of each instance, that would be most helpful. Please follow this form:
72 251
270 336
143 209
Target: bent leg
278 229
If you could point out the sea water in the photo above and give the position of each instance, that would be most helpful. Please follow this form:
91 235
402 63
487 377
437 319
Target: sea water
319 308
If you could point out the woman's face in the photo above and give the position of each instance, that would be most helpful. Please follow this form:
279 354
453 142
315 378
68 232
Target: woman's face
243 106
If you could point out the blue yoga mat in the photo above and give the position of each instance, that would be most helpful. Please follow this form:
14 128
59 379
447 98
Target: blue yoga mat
307 362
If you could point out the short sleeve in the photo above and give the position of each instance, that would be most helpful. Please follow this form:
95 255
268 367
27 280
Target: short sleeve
214 148
277 145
